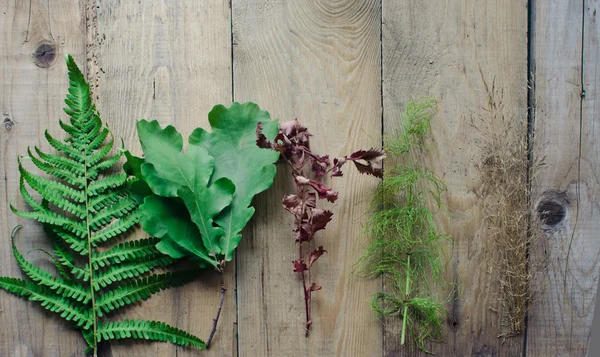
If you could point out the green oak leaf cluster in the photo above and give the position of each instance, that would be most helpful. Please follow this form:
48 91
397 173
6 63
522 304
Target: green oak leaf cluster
87 210
406 247
197 201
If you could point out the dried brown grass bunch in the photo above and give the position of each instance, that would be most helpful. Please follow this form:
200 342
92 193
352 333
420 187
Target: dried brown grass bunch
507 173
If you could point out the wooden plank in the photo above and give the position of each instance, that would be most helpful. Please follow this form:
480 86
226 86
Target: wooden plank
169 61
318 61
31 100
35 37
447 50
567 133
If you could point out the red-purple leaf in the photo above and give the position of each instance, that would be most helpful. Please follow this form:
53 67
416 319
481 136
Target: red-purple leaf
293 204
319 219
368 155
337 167
368 161
261 139
320 165
369 169
299 266
314 287
323 191
315 254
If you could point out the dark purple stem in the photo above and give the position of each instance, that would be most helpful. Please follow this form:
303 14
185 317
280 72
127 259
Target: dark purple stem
216 319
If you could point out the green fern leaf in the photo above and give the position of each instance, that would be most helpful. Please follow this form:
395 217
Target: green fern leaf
117 210
105 164
62 162
83 205
77 181
15 286
48 300
60 146
73 241
62 287
148 330
126 251
97 187
49 217
140 290
97 203
120 226
127 270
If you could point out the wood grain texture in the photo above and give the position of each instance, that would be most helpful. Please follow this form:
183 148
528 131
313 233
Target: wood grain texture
31 99
318 61
447 50
169 61
567 131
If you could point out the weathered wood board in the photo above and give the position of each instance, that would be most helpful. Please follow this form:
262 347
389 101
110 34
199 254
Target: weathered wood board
566 134
346 69
318 62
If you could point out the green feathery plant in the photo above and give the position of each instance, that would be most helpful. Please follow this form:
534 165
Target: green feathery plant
406 248
83 209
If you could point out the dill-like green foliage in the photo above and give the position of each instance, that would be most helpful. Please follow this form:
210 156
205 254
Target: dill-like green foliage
406 248
85 206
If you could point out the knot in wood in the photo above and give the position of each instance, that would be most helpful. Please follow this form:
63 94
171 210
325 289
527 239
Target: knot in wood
44 55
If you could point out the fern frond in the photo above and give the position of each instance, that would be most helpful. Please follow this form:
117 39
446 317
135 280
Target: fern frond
105 164
67 176
18 287
148 330
117 210
59 305
47 216
127 270
100 154
27 196
99 139
72 131
83 205
116 228
59 267
91 130
62 162
112 181
60 146
73 241
97 203
76 209
66 261
48 300
51 188
140 290
43 277
126 251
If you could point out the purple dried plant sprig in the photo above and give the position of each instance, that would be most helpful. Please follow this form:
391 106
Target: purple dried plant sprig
308 169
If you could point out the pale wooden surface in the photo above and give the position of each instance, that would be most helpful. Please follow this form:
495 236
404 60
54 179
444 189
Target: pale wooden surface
567 122
321 61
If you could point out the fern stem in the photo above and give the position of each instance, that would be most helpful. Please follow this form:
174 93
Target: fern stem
89 265
216 319
407 291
